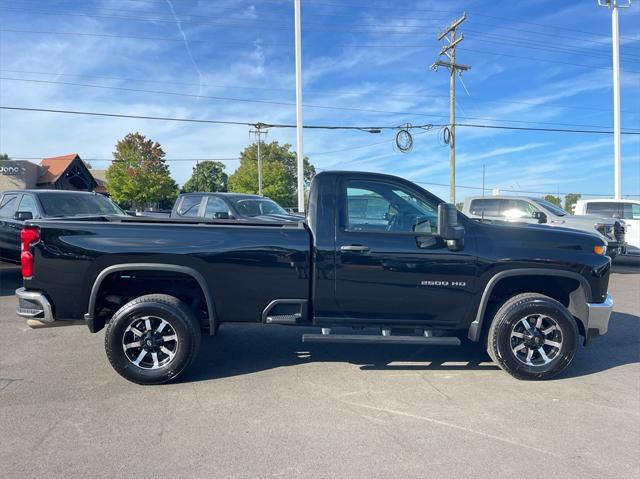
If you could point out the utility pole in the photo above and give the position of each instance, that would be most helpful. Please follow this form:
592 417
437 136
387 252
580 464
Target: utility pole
299 149
258 132
449 49
615 41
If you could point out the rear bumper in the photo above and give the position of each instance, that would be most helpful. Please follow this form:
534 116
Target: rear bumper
598 317
34 305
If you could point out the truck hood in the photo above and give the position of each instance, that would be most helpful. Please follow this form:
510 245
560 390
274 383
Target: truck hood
537 240
583 222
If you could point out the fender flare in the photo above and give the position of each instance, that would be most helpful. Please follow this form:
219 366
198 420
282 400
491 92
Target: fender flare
475 329
90 318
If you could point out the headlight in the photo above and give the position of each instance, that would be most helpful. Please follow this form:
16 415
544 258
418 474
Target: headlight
605 230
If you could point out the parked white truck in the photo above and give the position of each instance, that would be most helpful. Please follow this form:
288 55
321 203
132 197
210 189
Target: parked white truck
626 210
525 209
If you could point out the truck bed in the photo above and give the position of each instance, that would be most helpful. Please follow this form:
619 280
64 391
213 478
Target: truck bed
245 265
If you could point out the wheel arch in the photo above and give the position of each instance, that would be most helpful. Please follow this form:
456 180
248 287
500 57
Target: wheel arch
95 326
577 299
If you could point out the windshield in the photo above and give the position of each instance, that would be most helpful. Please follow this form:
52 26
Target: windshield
258 207
70 204
555 209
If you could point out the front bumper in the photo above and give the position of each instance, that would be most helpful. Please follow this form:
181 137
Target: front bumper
598 315
615 248
34 305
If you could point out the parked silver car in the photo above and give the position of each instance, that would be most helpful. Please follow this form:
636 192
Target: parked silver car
536 210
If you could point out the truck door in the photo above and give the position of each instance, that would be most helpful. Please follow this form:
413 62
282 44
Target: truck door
391 266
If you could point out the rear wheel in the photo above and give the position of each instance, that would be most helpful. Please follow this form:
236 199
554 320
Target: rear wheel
533 336
152 339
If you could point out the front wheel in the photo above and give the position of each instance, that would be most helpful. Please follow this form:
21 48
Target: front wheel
533 336
152 339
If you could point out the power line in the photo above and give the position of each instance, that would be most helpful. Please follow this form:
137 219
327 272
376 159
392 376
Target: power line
564 130
270 26
367 129
371 6
339 44
313 127
306 105
418 94
509 190
112 159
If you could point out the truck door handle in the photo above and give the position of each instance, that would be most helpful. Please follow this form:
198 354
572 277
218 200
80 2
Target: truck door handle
354 248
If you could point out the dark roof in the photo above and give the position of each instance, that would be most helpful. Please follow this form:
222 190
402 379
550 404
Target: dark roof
59 192
226 194
55 166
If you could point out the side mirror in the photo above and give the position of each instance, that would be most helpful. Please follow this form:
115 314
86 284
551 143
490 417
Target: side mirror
221 215
540 216
23 215
448 227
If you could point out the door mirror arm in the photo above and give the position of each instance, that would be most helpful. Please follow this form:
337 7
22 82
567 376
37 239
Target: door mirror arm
540 216
23 215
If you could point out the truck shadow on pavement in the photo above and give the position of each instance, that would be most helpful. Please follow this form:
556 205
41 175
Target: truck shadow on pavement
626 265
246 349
10 279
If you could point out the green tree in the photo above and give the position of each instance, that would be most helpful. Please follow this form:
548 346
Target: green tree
459 206
279 172
207 176
570 199
4 156
139 176
554 199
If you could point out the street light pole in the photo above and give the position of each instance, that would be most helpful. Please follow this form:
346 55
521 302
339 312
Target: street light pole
299 147
615 42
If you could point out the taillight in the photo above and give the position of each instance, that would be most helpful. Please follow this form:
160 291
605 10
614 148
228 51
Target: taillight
29 235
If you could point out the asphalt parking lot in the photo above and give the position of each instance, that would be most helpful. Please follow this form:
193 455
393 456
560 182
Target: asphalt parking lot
259 403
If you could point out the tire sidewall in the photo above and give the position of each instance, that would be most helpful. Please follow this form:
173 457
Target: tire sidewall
130 313
514 314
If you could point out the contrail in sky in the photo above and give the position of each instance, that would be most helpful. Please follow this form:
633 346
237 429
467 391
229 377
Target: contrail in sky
186 45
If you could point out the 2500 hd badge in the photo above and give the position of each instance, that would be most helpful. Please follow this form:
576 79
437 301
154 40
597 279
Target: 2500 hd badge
457 284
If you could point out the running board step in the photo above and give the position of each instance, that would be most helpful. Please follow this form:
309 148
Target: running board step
378 338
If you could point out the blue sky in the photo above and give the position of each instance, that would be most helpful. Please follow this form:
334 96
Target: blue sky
534 64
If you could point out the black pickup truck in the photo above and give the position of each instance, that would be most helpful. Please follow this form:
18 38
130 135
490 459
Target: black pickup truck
377 260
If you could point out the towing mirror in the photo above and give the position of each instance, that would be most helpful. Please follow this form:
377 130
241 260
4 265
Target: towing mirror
540 216
448 227
23 215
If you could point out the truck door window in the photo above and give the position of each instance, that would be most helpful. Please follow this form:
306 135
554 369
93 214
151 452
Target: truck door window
603 208
490 207
8 206
215 205
28 203
514 209
190 206
631 211
378 206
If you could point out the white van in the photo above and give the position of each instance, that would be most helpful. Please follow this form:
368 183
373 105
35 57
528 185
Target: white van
626 210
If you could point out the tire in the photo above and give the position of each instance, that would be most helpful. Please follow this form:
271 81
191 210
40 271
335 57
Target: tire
540 351
138 326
